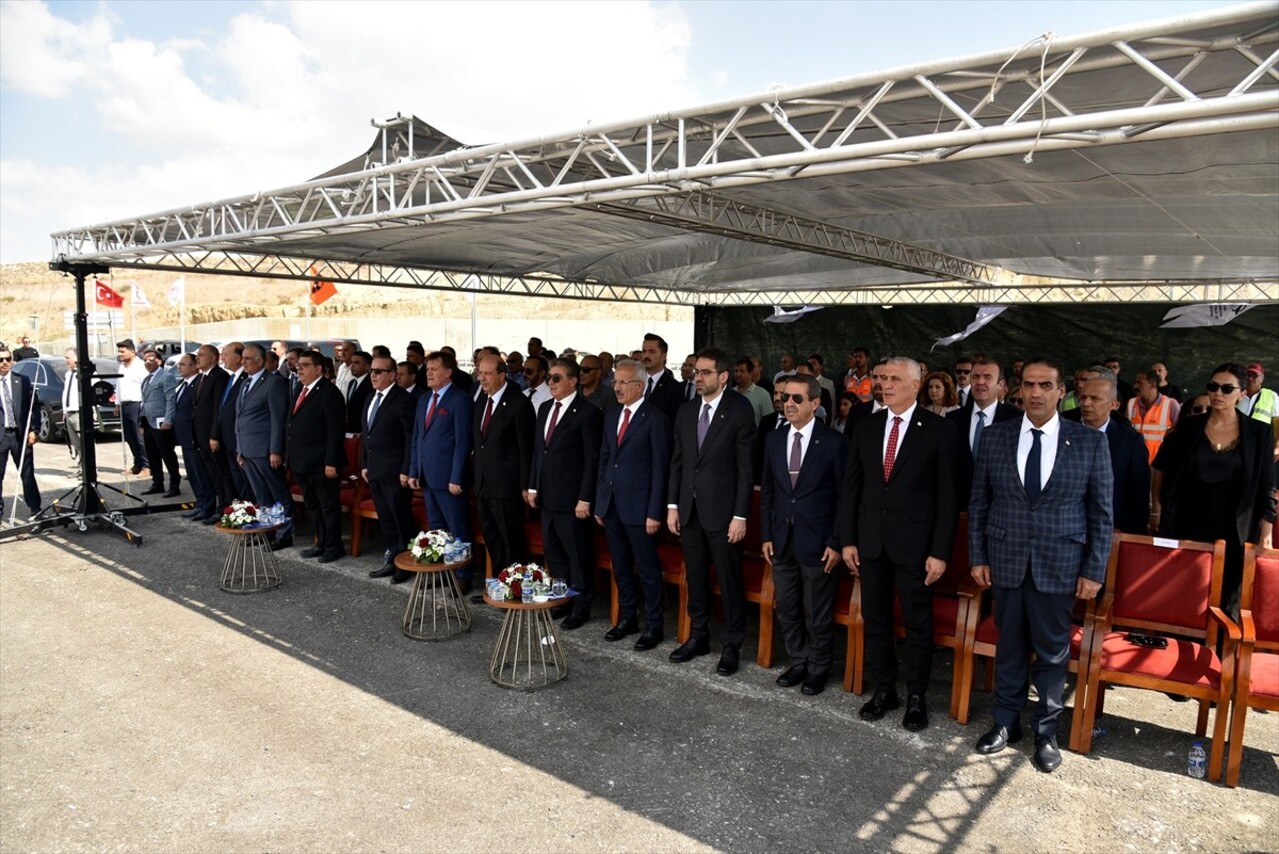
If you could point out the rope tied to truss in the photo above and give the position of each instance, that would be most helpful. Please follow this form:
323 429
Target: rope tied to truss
1045 40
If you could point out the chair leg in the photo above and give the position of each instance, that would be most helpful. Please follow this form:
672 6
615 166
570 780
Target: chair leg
1234 756
1201 723
614 602
764 655
859 657
357 528
960 686
850 661
685 625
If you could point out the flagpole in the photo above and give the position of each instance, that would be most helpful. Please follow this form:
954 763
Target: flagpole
182 318
133 324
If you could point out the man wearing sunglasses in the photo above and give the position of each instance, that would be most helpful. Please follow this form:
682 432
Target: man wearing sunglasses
1258 402
898 517
19 431
803 473
535 387
562 481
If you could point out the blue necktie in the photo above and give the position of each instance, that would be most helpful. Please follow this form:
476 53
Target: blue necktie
1033 477
981 422
377 401
703 424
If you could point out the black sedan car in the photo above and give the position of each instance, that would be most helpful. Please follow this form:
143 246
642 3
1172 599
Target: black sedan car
48 377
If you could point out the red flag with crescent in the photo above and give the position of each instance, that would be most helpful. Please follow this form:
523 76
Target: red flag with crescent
106 296
321 289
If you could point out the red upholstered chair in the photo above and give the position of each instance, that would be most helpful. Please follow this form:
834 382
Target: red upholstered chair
1257 670
757 577
670 554
1169 589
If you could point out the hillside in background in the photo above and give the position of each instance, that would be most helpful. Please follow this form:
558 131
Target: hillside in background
31 290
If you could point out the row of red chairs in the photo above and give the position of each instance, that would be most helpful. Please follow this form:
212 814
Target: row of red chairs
1164 588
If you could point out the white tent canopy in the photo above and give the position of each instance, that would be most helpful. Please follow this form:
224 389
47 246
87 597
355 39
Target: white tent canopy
1139 164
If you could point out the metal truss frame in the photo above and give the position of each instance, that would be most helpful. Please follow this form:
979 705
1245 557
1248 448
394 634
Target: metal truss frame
401 276
671 167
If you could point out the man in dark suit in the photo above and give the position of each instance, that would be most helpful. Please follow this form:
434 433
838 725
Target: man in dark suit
438 452
562 481
708 498
359 391
1039 529
775 420
156 416
502 434
803 471
184 435
971 420
261 418
387 430
316 453
898 515
1129 460
635 461
223 440
19 430
661 388
204 424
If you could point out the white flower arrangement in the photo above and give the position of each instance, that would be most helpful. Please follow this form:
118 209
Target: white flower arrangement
517 576
239 514
438 547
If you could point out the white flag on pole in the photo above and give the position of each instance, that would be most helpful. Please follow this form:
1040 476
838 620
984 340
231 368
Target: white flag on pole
782 315
178 290
138 298
985 315
1208 314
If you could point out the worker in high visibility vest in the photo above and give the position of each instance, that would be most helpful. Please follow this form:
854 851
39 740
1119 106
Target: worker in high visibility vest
1257 402
1152 413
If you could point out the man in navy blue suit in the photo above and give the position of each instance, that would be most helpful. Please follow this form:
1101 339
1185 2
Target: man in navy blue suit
635 461
1039 528
799 494
260 421
184 432
439 450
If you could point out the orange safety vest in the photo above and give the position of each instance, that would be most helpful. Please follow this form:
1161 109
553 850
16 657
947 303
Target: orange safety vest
1154 425
859 387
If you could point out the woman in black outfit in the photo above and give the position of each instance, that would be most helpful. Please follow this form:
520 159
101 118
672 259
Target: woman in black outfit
1213 479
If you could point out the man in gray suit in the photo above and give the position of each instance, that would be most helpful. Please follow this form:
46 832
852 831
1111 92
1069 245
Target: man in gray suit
259 437
1040 525
158 403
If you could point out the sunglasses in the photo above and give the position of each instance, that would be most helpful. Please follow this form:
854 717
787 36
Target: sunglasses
554 378
587 370
962 371
381 370
1224 388
794 398
6 359
1198 409
528 372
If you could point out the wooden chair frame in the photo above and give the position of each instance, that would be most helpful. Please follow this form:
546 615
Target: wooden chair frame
1249 644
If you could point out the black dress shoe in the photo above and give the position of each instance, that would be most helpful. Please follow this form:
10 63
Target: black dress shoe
401 575
211 520
172 492
561 611
135 470
386 571
814 684
464 584
880 704
691 649
1047 756
281 543
798 673
575 620
997 738
649 639
313 551
192 514
916 717
329 557
728 660
624 629
156 489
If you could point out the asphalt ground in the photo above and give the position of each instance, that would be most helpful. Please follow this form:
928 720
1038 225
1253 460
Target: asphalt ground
142 709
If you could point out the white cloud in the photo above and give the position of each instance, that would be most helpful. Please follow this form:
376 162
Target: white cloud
286 92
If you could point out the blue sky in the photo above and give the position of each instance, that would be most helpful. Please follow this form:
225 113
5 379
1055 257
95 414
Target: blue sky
117 109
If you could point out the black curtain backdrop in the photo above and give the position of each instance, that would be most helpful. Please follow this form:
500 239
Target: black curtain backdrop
1075 335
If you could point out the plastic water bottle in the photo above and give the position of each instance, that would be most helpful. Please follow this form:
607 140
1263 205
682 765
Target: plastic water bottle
1197 764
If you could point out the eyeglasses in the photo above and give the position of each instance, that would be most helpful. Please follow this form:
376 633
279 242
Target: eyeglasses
1224 388
554 378
6 358
794 398
1198 409
381 370
528 372
1252 375
704 373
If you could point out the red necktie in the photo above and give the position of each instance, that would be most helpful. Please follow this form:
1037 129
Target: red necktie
488 416
430 413
301 397
626 422
890 453
555 417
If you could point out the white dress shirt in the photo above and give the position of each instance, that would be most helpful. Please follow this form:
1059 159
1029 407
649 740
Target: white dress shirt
1047 447
901 431
972 422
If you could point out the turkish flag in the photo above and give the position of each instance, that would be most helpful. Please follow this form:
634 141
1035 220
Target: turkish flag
106 296
321 290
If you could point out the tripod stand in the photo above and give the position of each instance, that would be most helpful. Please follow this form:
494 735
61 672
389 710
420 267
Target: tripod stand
87 506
